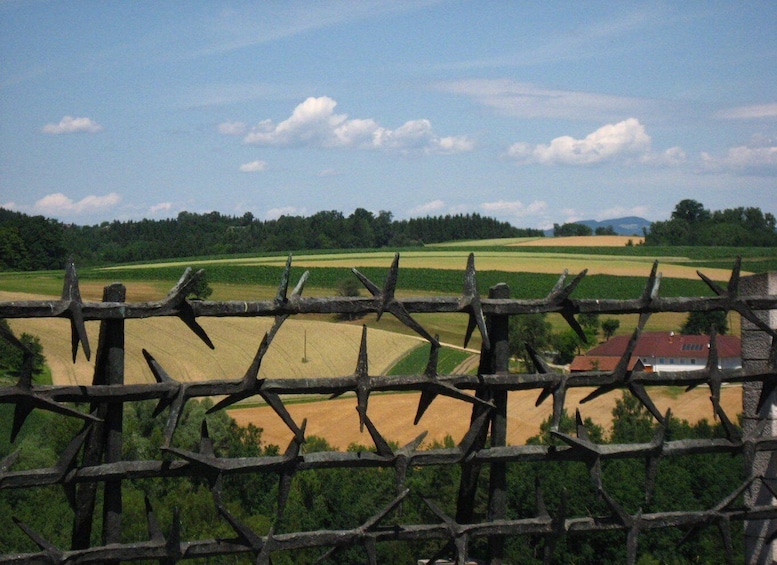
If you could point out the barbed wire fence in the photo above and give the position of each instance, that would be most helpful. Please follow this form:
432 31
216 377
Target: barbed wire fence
94 456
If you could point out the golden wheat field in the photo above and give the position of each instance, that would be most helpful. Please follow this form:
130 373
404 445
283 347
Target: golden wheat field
513 262
329 349
312 347
337 420
438 256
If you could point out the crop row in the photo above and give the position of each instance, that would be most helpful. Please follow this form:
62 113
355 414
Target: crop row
694 254
522 285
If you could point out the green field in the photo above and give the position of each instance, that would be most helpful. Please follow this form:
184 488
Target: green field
449 359
530 272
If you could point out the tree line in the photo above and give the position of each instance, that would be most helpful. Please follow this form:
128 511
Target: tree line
34 242
574 229
692 224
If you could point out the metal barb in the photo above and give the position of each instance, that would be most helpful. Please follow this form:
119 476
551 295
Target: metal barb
388 303
176 299
470 302
363 381
71 294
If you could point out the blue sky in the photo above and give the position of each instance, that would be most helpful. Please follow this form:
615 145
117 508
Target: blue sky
531 112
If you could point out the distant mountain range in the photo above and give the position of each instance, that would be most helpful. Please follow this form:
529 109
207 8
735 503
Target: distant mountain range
630 225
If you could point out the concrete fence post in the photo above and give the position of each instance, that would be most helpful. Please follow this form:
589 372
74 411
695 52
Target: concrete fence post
756 347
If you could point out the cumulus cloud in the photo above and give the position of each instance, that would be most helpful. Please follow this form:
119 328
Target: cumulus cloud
57 204
571 215
743 160
427 208
608 143
161 207
757 111
315 123
232 128
671 157
514 208
69 124
253 167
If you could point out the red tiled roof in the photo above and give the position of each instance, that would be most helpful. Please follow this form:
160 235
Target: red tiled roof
597 363
669 344
656 344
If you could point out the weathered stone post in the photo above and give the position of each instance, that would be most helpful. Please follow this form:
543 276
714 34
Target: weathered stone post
756 348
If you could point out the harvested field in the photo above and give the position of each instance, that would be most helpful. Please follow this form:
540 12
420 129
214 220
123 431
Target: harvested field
507 261
337 420
572 241
330 349
582 241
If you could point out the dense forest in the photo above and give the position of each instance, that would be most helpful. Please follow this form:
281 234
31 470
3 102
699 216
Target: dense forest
34 242
346 498
692 224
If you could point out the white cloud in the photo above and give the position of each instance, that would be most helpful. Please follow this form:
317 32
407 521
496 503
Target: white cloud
161 207
621 212
275 213
671 157
57 204
253 167
515 208
315 123
329 173
571 215
758 111
743 160
232 128
608 143
426 209
69 124
524 100
312 121
458 144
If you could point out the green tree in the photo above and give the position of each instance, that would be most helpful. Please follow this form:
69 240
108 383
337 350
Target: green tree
610 326
567 344
360 226
348 287
571 229
529 331
690 211
590 323
12 358
201 289
631 421
692 224
702 323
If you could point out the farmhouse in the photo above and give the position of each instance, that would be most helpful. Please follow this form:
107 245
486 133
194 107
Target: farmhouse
661 351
